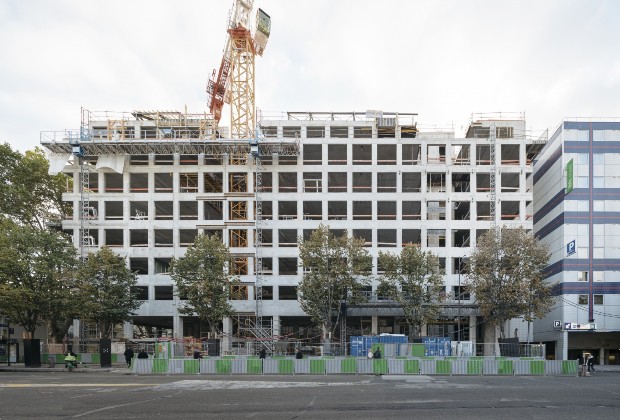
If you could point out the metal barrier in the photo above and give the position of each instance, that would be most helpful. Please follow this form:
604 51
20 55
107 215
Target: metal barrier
363 366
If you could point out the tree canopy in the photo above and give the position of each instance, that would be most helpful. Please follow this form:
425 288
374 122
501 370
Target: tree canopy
414 280
335 271
36 274
203 277
28 194
506 274
103 291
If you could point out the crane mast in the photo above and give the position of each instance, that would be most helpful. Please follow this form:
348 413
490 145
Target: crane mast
234 81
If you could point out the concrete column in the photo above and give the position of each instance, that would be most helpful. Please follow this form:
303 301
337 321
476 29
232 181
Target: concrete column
472 331
226 344
601 356
276 326
128 330
177 326
374 327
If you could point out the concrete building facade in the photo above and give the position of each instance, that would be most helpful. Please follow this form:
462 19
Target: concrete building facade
153 181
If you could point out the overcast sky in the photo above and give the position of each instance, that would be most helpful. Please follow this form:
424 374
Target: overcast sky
440 59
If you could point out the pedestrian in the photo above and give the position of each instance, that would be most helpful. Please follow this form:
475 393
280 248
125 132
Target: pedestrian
262 353
377 354
197 354
298 354
128 356
370 354
590 363
143 354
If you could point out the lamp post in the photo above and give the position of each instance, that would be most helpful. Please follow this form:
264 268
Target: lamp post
8 341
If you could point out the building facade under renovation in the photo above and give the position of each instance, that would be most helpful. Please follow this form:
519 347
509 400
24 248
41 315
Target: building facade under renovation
146 183
577 213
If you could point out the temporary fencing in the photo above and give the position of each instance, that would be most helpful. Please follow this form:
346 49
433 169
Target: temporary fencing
351 365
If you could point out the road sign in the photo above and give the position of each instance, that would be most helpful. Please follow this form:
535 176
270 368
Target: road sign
557 324
570 248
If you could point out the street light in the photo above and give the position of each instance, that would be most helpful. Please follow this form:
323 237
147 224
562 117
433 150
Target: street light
8 340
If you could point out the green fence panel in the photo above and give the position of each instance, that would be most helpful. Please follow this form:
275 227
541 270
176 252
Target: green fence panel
229 356
569 367
317 366
474 367
160 365
349 365
412 367
443 367
380 367
537 367
255 366
223 366
191 366
286 366
418 350
95 358
504 367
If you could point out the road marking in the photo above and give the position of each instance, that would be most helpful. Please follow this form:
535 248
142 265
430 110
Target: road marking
72 385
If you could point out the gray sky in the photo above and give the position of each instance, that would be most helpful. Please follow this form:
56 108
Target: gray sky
441 59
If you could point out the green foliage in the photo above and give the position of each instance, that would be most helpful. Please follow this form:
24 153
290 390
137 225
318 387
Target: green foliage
414 280
104 290
335 270
202 277
36 268
28 194
506 274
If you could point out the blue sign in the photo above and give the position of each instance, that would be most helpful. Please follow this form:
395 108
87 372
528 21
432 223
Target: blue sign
570 248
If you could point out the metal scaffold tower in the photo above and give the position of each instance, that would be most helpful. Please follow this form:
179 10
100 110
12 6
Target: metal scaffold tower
493 175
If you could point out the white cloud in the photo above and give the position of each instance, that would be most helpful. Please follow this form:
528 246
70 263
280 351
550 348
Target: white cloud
442 59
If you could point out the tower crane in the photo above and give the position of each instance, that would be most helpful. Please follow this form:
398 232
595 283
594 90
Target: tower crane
233 83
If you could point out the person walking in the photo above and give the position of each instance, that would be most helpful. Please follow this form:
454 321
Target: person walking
128 356
197 354
143 354
590 363
298 354
377 354
262 353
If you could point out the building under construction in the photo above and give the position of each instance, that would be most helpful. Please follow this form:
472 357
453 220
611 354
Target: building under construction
146 183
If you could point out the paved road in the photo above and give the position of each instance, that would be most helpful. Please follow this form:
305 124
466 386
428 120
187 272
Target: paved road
108 395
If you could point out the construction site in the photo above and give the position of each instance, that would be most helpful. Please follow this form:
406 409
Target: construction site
147 182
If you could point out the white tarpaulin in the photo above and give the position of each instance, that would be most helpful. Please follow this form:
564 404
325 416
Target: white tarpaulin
57 163
114 162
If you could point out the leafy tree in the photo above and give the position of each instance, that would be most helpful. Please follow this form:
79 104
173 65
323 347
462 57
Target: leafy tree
104 290
36 268
506 274
335 270
203 277
414 280
28 194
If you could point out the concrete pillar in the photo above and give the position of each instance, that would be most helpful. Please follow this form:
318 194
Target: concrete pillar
601 356
374 327
472 332
227 327
276 326
128 330
177 326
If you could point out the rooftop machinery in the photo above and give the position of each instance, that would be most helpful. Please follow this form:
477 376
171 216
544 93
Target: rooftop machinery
234 81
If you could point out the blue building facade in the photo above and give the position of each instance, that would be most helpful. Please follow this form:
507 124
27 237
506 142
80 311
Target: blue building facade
576 182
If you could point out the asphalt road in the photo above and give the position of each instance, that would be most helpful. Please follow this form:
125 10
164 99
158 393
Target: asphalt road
106 395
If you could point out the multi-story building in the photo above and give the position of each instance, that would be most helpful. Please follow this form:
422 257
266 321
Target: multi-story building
577 213
151 181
